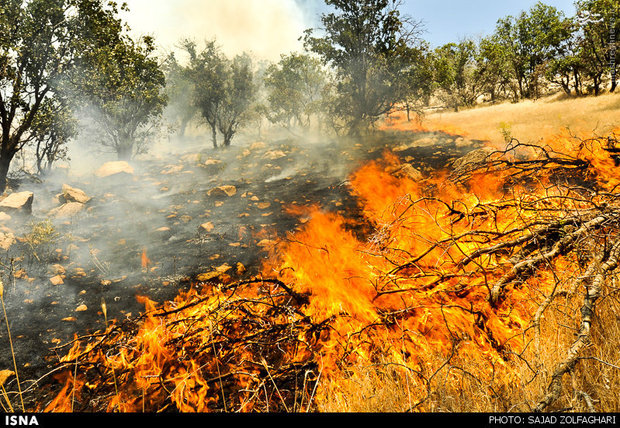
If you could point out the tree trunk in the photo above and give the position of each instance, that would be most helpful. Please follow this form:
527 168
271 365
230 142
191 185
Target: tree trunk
5 163
214 136
124 151
596 86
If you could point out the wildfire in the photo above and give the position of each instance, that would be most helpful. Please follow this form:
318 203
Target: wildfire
145 261
458 273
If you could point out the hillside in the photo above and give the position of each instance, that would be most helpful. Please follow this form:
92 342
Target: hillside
529 121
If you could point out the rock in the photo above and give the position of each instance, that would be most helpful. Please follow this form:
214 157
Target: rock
407 171
222 191
21 201
208 226
274 154
114 168
57 280
472 160
66 210
4 217
72 194
172 169
257 145
266 243
214 273
192 158
56 269
7 239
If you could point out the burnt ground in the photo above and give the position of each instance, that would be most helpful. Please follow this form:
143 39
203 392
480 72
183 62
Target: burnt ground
159 210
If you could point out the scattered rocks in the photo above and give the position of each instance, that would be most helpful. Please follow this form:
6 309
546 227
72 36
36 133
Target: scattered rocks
72 194
471 161
69 209
214 273
21 201
222 191
114 168
257 145
172 169
208 226
274 154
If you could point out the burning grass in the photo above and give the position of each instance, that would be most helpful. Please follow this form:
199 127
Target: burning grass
491 287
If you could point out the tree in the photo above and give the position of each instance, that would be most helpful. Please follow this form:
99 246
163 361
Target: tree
417 85
180 110
456 73
493 69
39 43
366 43
294 87
565 68
206 70
52 129
239 91
530 41
597 20
223 90
124 85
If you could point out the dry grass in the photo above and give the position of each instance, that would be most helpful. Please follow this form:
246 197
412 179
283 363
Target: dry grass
594 383
529 121
592 386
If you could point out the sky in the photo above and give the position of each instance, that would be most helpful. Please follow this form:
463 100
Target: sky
450 20
269 28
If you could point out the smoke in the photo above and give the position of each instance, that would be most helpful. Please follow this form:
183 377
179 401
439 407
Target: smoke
266 28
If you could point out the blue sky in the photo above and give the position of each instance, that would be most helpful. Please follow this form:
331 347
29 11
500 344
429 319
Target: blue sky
450 20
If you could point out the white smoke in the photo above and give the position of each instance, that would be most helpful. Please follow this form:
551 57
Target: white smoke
266 28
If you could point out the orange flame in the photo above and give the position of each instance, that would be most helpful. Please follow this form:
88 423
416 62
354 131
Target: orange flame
145 260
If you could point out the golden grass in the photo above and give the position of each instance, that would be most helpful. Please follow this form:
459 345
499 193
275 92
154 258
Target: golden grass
592 386
529 121
594 383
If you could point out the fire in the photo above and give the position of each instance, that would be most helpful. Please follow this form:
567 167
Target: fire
145 261
454 275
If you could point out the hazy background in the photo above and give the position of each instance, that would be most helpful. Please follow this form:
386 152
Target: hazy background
268 28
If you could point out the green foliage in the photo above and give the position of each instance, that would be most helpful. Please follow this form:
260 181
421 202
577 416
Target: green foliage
368 44
596 20
294 87
417 83
224 89
493 68
42 43
124 84
41 238
456 73
52 128
530 41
